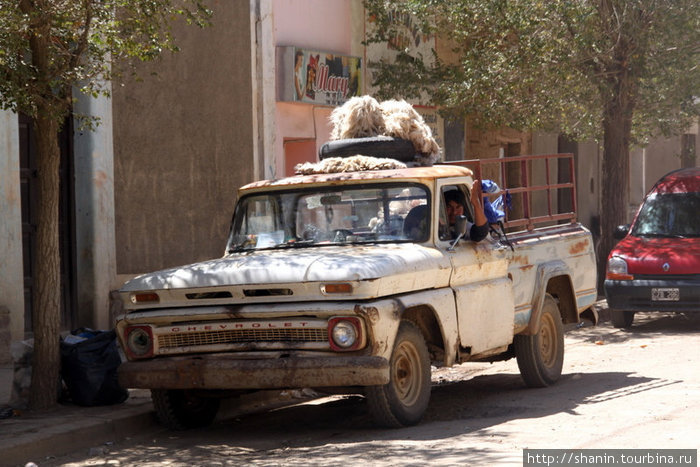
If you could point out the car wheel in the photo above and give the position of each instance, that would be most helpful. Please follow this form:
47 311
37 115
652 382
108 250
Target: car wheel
621 318
403 401
181 410
540 356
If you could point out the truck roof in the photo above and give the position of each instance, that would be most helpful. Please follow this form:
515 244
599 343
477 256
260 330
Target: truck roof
412 173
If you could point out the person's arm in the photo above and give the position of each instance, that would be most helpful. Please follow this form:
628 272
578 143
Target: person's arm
480 229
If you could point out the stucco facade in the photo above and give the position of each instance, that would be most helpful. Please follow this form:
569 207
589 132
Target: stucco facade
183 140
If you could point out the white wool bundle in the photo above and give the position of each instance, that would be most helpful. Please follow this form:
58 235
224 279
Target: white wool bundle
402 121
364 116
359 117
348 164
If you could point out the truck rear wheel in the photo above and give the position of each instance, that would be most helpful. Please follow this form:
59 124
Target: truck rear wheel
181 409
621 319
541 356
403 401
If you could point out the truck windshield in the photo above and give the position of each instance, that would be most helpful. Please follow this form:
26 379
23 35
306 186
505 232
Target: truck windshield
669 215
331 215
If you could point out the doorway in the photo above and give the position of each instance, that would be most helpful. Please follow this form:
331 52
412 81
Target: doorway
297 152
66 228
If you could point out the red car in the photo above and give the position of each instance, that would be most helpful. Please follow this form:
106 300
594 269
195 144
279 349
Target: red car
656 265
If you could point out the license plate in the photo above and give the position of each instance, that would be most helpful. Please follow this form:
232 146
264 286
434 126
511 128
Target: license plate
665 294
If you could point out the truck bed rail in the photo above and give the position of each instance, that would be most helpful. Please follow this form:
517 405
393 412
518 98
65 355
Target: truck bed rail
528 179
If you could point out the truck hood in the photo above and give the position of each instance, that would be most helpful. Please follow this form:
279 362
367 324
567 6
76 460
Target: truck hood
290 266
651 255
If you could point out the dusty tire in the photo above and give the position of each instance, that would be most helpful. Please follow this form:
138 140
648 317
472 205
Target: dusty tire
403 401
541 356
621 319
182 410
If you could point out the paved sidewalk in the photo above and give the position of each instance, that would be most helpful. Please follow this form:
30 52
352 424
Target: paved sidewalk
34 436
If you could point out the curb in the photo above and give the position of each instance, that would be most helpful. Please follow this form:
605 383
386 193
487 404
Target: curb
42 436
70 429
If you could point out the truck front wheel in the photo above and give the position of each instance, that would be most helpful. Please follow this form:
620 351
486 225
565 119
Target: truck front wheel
403 400
181 410
540 356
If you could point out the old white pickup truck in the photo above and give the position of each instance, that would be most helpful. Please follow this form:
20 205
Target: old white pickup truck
349 282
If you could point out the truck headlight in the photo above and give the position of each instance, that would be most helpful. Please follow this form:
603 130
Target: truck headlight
139 341
617 270
345 333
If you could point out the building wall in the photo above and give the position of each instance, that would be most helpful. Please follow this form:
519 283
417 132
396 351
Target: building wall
588 185
311 24
11 267
183 145
648 164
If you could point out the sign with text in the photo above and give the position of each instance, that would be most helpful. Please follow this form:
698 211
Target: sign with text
317 77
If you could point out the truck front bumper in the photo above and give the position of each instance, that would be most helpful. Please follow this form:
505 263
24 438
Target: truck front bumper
219 372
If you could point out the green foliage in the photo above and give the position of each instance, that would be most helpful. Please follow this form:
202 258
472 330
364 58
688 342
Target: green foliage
48 46
555 65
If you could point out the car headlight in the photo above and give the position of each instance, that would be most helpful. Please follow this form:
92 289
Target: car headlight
345 333
617 270
139 341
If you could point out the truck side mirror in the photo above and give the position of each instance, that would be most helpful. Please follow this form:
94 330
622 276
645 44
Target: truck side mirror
461 225
460 230
621 231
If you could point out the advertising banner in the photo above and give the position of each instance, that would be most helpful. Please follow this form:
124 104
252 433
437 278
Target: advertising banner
317 77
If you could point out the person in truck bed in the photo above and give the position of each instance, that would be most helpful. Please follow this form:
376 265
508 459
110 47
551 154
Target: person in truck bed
455 205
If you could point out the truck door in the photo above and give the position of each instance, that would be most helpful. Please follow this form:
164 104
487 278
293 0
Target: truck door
483 290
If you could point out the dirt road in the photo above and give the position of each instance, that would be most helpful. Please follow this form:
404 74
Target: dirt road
637 388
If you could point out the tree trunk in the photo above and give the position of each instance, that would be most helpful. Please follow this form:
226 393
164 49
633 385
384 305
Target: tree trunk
617 120
46 310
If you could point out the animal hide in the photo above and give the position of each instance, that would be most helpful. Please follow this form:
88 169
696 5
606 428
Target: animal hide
348 164
359 117
364 116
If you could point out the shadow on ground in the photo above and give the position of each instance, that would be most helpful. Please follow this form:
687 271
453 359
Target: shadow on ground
341 430
645 326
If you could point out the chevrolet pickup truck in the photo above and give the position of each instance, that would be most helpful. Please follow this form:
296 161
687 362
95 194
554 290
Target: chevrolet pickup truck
348 282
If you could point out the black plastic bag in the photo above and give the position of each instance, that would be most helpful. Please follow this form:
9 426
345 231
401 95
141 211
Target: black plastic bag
89 368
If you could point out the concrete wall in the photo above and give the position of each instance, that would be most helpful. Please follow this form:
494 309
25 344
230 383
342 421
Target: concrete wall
649 164
184 145
95 262
588 185
11 267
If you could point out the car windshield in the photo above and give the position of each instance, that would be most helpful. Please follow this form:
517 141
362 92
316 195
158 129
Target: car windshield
669 215
396 212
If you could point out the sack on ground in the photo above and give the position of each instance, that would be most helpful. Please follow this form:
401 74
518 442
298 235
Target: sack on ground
89 362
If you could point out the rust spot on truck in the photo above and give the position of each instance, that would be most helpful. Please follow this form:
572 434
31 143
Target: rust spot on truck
369 312
521 259
578 247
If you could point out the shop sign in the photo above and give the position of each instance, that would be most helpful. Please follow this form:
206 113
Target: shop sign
317 77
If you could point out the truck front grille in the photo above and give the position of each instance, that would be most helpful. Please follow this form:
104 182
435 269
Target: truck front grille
238 336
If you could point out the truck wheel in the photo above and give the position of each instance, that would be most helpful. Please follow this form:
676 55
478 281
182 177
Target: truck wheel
541 356
403 400
621 319
181 410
